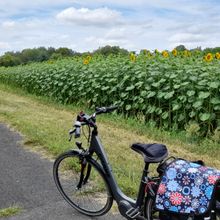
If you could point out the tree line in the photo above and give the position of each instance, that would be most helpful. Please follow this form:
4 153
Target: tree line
34 55
41 54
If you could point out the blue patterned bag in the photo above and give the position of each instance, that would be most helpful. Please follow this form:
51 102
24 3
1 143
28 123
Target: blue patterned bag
187 188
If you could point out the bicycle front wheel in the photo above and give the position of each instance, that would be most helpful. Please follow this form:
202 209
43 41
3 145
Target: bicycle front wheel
82 183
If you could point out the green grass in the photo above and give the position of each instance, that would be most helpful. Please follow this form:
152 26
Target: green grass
14 210
45 125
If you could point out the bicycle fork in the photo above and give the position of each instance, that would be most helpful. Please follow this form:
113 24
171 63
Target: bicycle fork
84 173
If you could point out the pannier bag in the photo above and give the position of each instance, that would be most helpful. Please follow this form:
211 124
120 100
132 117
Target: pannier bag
187 189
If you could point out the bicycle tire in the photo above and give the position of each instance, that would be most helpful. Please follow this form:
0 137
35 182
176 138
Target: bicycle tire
149 211
151 214
94 197
218 213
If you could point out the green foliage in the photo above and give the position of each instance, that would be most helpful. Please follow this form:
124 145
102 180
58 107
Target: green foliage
107 50
192 131
56 56
171 92
9 60
41 54
212 50
181 48
65 52
216 136
34 55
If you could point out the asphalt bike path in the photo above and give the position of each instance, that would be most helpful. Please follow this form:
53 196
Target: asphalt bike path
26 180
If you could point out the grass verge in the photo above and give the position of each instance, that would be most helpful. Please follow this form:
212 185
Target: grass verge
45 125
7 212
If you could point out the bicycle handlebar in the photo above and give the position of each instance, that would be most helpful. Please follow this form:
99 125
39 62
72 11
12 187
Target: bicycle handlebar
83 119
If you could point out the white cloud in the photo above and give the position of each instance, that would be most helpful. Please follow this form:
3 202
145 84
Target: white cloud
4 45
116 33
128 3
187 38
87 17
96 42
184 6
8 24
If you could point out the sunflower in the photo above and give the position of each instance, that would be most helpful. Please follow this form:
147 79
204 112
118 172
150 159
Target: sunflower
132 57
186 53
217 56
85 61
174 52
165 54
208 57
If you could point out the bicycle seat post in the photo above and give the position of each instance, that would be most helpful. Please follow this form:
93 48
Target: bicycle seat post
141 193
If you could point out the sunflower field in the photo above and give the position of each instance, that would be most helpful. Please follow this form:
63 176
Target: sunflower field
169 89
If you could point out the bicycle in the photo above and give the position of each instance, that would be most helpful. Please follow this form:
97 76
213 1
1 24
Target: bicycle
85 179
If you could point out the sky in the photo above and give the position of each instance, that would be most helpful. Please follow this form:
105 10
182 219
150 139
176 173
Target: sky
87 25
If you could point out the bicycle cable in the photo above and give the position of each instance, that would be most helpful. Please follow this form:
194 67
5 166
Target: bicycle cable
84 134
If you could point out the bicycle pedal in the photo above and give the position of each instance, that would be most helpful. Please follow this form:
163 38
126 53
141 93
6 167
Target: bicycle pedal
133 213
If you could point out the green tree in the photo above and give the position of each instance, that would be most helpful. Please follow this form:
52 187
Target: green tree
107 50
64 51
56 56
180 47
212 50
9 60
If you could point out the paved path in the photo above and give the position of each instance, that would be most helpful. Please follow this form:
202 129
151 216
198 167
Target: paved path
26 180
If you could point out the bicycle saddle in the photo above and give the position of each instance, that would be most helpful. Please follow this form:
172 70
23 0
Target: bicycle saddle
152 153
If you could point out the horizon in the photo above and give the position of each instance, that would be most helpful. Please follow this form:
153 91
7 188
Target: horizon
93 51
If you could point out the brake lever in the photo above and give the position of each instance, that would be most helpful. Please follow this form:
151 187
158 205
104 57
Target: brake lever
71 132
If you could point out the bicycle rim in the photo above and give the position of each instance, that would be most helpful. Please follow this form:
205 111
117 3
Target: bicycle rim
87 191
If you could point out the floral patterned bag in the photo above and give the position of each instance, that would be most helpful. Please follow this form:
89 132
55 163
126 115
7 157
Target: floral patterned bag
187 188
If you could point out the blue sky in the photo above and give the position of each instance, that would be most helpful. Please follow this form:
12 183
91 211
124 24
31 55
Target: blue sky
87 25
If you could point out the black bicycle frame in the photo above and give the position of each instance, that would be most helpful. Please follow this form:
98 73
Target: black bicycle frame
127 206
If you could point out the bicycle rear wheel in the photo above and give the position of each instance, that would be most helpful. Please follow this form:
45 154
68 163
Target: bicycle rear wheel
82 184
152 214
218 209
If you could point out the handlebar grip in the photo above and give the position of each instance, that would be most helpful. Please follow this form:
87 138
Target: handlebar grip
105 109
111 108
77 132
77 129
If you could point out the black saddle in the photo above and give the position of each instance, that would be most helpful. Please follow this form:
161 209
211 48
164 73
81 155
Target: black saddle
152 153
